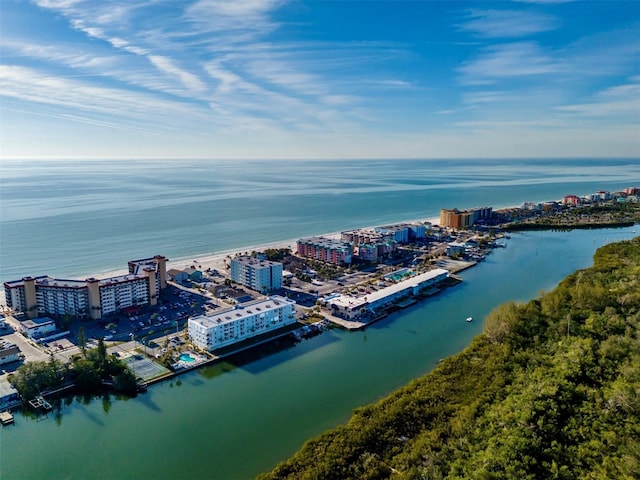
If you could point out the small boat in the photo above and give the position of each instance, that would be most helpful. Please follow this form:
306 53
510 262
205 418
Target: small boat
469 319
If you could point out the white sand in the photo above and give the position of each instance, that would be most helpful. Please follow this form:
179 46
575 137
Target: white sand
217 261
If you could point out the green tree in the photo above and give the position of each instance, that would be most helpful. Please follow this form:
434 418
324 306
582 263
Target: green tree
82 340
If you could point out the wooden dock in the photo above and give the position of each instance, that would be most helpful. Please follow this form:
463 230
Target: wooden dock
40 402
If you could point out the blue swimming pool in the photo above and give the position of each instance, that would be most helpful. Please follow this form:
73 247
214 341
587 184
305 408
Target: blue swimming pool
399 275
185 357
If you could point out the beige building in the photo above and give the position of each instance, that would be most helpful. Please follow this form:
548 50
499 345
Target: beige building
93 298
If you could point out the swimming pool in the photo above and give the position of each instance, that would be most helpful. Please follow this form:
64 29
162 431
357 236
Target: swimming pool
185 357
399 275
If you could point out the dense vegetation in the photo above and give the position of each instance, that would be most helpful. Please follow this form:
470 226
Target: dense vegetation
551 389
615 214
88 373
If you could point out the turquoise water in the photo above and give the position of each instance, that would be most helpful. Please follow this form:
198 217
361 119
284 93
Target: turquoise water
244 415
185 357
76 218
399 274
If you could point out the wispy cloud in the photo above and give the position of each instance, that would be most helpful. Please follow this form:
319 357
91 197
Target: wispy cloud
57 4
617 102
166 65
506 23
280 72
520 59
240 21
36 87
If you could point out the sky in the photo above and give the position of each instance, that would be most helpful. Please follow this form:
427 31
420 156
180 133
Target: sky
316 79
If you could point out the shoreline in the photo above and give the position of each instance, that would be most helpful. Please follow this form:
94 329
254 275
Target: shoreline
217 260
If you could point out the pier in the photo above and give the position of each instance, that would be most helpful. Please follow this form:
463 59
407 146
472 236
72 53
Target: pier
40 403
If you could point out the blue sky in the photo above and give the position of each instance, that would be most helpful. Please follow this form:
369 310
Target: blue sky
319 79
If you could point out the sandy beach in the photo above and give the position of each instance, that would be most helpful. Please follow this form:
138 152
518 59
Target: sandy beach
215 261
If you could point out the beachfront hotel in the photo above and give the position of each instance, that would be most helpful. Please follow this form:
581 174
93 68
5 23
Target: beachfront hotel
242 322
351 307
93 298
256 274
462 219
328 250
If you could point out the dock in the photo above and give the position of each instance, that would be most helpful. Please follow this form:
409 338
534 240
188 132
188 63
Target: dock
6 418
40 402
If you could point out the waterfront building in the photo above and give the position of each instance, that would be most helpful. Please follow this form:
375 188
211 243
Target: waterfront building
532 206
571 200
372 236
193 274
352 307
400 233
367 252
118 293
328 250
256 274
37 327
178 276
45 295
211 332
481 214
458 219
455 248
463 219
373 243
9 352
9 396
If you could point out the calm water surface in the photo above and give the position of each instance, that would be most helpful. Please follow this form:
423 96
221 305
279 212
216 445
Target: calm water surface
236 419
75 218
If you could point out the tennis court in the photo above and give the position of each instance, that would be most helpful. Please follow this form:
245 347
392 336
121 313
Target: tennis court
145 368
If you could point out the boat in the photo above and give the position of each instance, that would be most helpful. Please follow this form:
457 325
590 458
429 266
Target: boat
469 319
6 418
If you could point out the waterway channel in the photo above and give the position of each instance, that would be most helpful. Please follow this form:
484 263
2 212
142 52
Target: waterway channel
235 419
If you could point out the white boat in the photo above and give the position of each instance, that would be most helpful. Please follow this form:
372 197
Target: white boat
469 319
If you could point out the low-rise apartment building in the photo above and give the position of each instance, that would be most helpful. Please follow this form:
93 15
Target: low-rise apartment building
9 352
211 332
37 327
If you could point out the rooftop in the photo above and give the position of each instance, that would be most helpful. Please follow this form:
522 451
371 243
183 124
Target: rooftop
246 310
326 242
37 322
246 260
349 301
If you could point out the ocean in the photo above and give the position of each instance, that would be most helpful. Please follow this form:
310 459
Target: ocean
241 416
74 218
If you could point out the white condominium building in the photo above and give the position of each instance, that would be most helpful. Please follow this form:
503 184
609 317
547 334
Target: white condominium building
242 322
256 274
